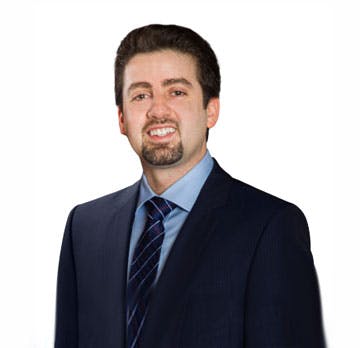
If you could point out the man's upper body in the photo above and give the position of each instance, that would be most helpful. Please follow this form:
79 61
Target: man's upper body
240 274
235 266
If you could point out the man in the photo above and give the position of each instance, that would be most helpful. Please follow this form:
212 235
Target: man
187 256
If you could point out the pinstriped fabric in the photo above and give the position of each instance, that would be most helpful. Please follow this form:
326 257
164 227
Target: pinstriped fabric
144 266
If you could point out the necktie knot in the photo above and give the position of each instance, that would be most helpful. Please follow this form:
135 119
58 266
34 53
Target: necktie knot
158 208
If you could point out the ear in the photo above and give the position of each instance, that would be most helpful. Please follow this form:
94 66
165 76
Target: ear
121 122
212 110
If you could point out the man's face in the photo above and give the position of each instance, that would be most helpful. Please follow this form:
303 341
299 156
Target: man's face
163 114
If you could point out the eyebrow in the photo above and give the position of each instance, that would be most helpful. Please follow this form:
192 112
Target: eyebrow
165 83
180 80
138 85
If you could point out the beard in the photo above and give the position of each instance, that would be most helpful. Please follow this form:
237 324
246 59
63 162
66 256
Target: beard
162 154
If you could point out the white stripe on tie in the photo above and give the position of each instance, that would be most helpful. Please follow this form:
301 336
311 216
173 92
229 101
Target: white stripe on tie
142 266
138 332
141 283
144 234
159 235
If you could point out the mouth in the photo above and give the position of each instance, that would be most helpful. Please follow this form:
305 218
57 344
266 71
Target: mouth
161 133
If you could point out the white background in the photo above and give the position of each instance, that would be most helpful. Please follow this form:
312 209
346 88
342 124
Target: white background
290 88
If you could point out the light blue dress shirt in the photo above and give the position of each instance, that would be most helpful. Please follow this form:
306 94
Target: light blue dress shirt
183 193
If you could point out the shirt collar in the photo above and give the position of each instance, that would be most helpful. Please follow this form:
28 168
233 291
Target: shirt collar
185 190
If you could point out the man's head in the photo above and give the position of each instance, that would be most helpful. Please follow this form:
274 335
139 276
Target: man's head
157 37
167 84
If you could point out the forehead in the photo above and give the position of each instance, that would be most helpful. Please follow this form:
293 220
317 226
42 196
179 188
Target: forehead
160 65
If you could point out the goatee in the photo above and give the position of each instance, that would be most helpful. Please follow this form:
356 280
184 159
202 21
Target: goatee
162 154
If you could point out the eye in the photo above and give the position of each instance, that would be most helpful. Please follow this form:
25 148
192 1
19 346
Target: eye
140 97
178 93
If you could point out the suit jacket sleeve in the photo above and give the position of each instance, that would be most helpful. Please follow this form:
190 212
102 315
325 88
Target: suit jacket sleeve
282 299
66 322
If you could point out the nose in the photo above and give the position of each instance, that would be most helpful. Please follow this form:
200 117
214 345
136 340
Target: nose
158 108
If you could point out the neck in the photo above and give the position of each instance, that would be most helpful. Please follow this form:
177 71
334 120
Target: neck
160 178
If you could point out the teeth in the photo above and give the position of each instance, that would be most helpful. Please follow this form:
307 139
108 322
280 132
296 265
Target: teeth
162 131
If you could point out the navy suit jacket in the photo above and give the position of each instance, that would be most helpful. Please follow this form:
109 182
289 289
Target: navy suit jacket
240 274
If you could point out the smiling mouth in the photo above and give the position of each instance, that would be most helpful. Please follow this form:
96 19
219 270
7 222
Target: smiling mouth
161 132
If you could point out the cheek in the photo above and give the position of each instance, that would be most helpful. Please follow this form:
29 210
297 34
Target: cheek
139 108
133 120
193 129
134 131
189 111
182 105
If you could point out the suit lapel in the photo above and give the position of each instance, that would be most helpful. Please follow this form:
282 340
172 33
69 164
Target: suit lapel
116 261
184 256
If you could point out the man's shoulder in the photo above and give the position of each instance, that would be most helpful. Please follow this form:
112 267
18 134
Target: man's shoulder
110 201
255 194
256 203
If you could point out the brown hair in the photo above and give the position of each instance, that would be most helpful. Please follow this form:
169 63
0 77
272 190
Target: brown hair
156 37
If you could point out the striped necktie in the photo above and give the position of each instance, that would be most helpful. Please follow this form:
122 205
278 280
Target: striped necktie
143 268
